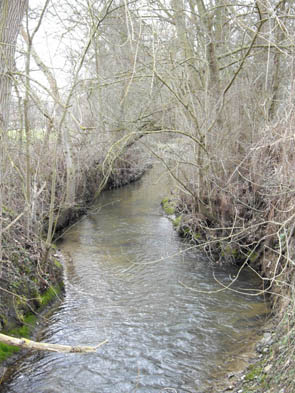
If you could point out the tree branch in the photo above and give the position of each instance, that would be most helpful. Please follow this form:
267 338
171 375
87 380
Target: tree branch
40 346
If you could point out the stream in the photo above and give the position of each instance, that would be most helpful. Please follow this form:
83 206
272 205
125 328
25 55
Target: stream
131 280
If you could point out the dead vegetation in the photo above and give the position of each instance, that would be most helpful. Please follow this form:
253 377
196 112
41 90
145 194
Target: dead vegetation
246 216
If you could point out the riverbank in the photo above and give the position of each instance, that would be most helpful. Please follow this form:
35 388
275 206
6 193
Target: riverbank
271 369
28 285
31 279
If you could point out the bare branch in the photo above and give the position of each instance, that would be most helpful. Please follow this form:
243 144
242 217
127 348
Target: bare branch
40 346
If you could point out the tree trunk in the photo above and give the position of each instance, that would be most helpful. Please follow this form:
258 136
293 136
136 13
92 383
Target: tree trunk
277 72
11 15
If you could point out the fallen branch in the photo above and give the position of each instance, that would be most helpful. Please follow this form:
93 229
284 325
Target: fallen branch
39 346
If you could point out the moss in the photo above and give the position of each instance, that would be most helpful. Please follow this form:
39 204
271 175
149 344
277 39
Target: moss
229 251
6 351
253 257
50 294
176 222
253 373
28 322
57 263
168 206
197 236
8 211
257 374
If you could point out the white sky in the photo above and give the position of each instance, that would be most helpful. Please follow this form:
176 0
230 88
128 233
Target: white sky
49 47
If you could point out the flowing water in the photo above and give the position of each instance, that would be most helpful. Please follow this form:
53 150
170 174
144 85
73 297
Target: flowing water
128 278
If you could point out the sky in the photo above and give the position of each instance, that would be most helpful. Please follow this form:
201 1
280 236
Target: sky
49 46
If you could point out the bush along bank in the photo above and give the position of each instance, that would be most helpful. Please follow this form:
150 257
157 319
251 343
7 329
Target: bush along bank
248 219
31 272
273 368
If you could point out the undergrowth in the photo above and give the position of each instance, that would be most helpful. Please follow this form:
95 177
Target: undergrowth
246 216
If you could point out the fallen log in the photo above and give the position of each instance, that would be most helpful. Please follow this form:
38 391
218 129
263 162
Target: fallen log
41 346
